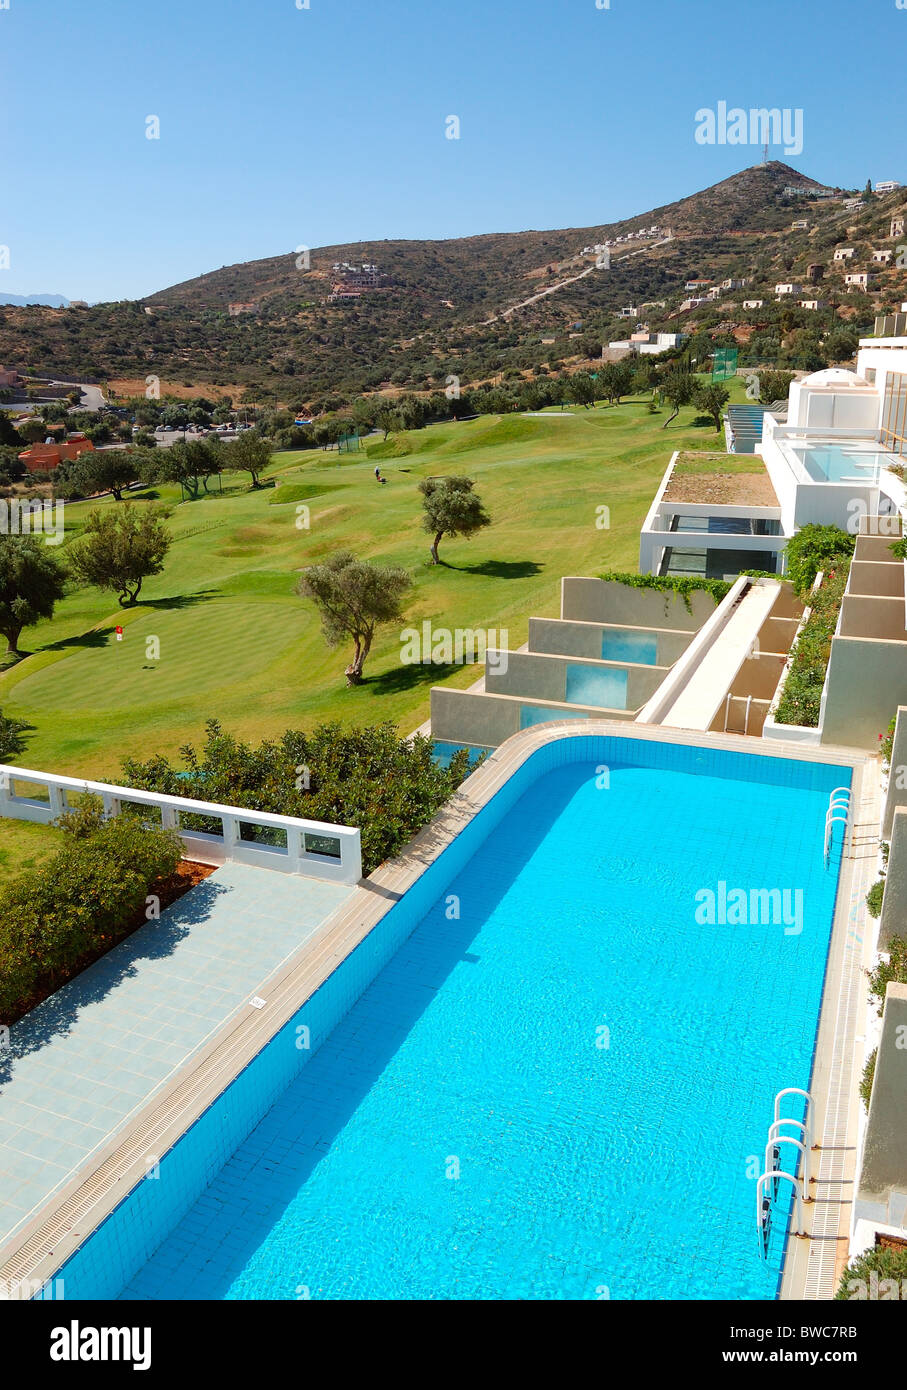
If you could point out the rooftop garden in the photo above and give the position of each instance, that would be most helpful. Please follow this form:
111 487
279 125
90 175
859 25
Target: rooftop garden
690 464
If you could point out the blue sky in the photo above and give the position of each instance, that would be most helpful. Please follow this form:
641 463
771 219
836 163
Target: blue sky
282 126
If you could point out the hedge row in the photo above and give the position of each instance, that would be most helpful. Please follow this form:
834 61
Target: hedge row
371 777
55 918
802 695
682 584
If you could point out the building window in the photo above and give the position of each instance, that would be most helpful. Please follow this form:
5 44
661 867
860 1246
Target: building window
894 414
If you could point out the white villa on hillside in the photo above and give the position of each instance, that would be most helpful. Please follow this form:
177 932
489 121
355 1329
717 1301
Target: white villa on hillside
830 462
861 279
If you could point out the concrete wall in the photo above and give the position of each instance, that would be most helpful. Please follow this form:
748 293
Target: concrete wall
597 601
881 618
559 637
877 548
880 578
738 721
866 682
893 921
819 407
896 795
471 717
884 1168
543 677
832 504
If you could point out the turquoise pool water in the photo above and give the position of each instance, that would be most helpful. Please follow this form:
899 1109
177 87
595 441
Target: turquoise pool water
836 463
638 647
604 687
556 1085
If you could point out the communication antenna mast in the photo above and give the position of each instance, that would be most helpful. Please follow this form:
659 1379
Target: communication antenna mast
765 154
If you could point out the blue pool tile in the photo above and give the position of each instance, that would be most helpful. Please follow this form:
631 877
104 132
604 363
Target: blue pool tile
475 1040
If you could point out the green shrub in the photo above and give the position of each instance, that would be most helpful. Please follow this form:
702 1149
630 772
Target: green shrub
801 699
816 548
869 1072
874 898
884 1263
367 777
77 904
894 970
887 743
11 740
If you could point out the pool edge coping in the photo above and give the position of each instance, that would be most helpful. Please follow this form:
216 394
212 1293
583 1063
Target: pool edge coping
812 1266
40 1248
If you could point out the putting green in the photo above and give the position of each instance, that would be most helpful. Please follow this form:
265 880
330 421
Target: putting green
167 657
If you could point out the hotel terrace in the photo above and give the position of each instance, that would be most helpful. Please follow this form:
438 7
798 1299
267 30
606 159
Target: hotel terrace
635 760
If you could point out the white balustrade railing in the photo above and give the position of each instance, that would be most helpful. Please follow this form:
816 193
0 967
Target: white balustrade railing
313 848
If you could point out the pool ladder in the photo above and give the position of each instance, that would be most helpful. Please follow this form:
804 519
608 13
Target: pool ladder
839 805
768 1186
746 717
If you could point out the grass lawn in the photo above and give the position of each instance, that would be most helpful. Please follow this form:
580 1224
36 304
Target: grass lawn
24 846
234 641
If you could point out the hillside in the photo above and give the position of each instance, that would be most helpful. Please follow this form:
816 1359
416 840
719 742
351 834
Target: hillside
477 272
432 307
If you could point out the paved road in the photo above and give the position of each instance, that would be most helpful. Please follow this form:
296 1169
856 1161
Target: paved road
92 396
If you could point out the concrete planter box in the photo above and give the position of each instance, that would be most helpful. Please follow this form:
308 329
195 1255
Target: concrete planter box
794 733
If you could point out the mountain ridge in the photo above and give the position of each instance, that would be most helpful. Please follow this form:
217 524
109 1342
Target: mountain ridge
294 329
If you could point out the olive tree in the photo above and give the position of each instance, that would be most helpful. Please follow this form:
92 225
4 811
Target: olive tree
354 598
120 549
31 582
711 398
451 508
677 388
249 453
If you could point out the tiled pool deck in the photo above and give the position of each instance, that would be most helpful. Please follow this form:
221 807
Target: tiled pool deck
82 1063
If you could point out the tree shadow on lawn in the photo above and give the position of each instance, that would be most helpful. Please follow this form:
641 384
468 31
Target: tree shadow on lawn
500 569
97 637
401 678
178 600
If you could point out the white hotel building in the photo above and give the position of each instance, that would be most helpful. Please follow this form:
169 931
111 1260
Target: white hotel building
830 462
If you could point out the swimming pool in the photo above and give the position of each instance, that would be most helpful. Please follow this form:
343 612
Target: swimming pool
557 1084
628 645
838 463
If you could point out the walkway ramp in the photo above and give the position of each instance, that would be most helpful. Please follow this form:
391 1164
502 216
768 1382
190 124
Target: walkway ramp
693 694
